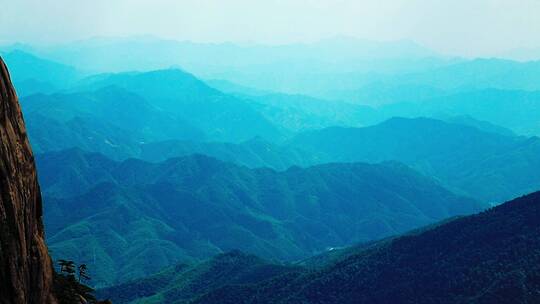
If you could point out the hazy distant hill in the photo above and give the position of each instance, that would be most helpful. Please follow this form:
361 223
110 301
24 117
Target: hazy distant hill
48 134
307 68
230 87
115 106
116 114
481 125
517 110
110 121
378 88
474 160
484 165
134 218
480 74
31 74
347 69
253 153
220 116
125 54
381 92
297 113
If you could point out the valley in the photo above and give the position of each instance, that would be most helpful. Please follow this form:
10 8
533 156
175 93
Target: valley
342 170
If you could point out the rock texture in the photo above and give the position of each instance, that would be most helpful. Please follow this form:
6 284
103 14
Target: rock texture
26 273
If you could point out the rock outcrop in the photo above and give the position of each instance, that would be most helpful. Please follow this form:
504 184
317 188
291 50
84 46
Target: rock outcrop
26 273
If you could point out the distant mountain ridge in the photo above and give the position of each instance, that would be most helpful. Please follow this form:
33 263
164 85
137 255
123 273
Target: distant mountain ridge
484 162
516 110
181 95
481 164
194 207
130 118
124 54
297 113
253 153
32 74
293 154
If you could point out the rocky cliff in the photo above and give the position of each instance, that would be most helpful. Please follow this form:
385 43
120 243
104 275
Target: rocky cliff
26 272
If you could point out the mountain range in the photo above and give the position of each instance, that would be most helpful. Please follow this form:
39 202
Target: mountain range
132 218
32 74
490 257
124 54
513 109
339 68
341 171
470 157
271 113
170 113
484 165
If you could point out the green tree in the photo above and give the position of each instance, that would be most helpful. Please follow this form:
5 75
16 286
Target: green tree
68 288
67 267
83 275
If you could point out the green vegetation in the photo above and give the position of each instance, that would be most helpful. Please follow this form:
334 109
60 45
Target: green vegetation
133 218
513 109
484 165
170 113
491 257
68 285
254 153
296 113
33 74
219 116
182 283
144 170
110 120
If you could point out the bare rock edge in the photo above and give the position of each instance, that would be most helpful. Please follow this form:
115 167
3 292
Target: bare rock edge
26 273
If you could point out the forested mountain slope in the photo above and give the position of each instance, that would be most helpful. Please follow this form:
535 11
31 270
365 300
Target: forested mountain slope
128 219
484 165
491 257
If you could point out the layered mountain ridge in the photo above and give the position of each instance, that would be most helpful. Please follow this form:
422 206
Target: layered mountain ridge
281 176
490 257
484 165
137 217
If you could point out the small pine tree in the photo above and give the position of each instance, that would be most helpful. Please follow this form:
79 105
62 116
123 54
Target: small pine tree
70 290
67 267
63 264
83 275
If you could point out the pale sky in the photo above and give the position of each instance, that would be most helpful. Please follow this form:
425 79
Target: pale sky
455 27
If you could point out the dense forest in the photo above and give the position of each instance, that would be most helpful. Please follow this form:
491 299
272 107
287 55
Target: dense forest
490 257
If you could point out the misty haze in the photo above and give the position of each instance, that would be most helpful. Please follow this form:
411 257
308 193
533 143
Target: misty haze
269 151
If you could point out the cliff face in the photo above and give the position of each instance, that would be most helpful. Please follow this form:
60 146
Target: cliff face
25 266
